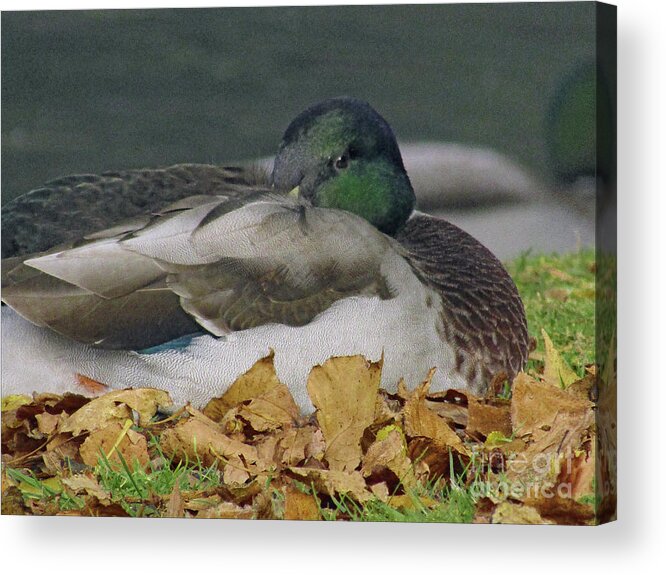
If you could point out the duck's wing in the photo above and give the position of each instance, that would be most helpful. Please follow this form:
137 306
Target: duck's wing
482 314
145 317
229 264
68 208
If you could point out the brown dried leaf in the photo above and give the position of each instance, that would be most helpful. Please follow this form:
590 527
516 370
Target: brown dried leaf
12 501
174 506
535 404
344 392
433 460
561 510
447 408
271 410
300 506
255 382
113 439
577 472
300 443
488 415
334 482
484 509
235 472
53 462
199 437
555 425
421 421
95 507
389 452
267 447
86 483
199 502
518 514
116 406
226 510
380 491
47 423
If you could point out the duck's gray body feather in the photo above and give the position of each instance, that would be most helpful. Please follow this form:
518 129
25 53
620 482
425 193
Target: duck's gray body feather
230 265
71 207
230 255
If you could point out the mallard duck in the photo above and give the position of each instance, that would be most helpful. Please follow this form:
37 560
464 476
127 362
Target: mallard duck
325 257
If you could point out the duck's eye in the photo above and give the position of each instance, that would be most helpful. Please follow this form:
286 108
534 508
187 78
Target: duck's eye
341 162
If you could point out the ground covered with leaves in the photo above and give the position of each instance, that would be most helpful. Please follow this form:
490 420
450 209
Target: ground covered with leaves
527 452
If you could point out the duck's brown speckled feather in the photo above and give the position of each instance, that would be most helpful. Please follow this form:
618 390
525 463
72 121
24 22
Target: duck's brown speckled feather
482 314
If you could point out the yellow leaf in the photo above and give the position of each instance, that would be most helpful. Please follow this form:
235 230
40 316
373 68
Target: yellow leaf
115 439
11 402
116 406
199 438
390 452
421 421
344 392
300 506
556 371
255 382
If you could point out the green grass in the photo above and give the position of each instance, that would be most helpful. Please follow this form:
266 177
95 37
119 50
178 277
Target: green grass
453 505
558 292
131 487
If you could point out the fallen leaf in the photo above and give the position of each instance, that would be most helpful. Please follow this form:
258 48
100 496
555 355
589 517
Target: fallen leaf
114 407
433 460
334 482
300 506
198 438
556 371
578 473
299 444
484 509
200 503
380 491
12 502
421 421
226 510
112 440
271 410
518 514
235 472
562 511
487 416
47 423
535 404
12 402
95 507
450 405
344 393
255 382
88 484
390 452
174 506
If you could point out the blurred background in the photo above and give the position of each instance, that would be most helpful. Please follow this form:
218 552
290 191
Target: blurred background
493 104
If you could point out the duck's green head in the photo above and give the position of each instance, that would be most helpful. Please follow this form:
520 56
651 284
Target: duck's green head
342 154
